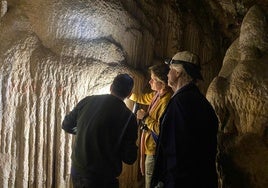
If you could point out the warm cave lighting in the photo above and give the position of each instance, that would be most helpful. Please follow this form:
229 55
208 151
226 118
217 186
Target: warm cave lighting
104 90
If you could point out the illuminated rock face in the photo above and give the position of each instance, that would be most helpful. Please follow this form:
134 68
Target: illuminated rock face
54 53
51 57
240 97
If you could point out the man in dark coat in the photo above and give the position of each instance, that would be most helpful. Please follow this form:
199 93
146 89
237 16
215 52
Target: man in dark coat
187 146
106 134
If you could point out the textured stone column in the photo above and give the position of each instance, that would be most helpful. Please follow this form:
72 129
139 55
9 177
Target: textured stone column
239 94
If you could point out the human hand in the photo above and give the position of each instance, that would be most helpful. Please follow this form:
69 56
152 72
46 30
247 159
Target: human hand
140 114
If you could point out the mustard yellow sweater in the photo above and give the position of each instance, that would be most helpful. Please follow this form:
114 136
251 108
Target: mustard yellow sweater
153 119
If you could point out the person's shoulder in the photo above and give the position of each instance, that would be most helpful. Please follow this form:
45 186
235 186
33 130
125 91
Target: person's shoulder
88 98
181 97
91 98
84 100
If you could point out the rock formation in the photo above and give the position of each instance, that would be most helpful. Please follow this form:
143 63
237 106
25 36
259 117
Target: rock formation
54 53
240 97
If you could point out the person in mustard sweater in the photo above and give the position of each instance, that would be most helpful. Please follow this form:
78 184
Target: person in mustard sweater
157 101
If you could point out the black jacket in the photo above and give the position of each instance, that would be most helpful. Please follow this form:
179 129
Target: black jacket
187 146
102 141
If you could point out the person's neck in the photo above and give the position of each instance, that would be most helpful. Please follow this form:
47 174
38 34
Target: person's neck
162 91
117 96
180 84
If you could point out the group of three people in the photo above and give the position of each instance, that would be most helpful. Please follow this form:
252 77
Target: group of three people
179 131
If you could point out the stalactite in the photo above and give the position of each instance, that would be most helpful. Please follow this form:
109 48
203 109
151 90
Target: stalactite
3 8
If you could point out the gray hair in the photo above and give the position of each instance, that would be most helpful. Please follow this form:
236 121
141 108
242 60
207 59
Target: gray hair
179 68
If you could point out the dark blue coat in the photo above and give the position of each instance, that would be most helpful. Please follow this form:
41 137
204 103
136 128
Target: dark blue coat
187 146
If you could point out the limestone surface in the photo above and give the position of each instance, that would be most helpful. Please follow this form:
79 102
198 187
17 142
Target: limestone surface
239 95
55 52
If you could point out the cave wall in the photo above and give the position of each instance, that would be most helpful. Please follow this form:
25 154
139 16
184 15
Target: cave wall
54 53
239 95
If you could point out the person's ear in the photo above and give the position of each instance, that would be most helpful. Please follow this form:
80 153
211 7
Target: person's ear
178 73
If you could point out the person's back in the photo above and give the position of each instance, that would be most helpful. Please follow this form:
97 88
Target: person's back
97 146
197 147
106 134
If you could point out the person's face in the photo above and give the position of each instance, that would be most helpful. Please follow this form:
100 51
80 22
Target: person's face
155 83
173 76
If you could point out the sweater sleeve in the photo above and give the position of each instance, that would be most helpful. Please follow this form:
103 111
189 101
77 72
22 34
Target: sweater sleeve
153 119
69 123
144 99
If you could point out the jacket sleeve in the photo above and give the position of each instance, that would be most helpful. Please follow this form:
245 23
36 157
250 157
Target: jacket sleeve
144 99
69 123
129 148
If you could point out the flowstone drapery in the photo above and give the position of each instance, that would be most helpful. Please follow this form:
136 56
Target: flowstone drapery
240 96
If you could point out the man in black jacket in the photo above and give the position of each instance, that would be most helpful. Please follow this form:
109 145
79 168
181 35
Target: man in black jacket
106 134
187 145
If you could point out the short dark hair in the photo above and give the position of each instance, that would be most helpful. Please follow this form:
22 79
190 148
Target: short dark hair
160 71
122 85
